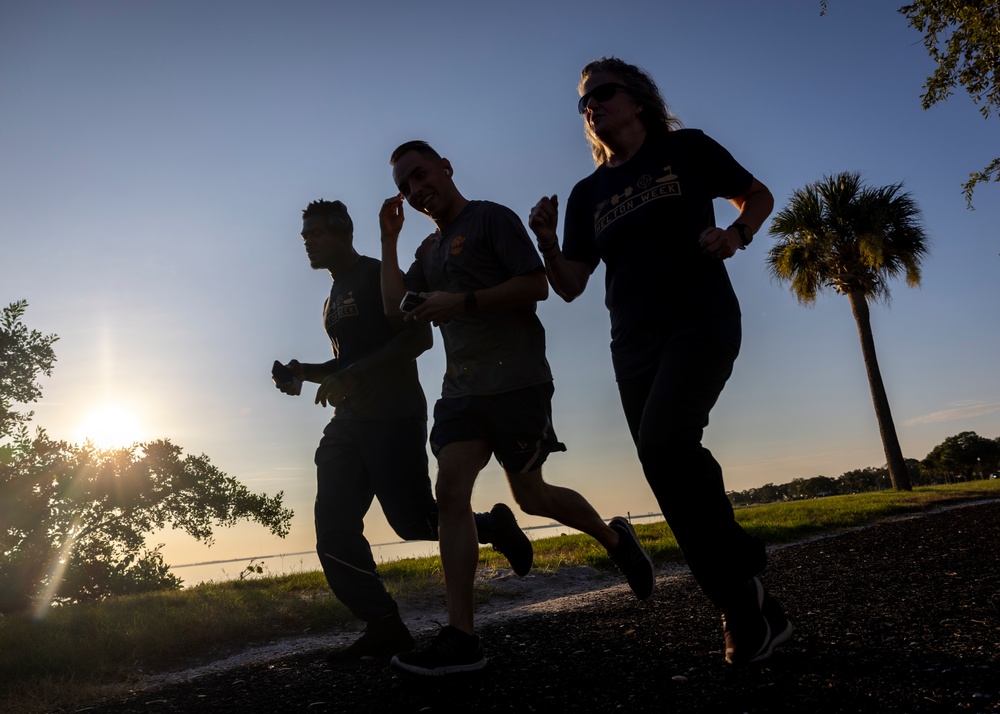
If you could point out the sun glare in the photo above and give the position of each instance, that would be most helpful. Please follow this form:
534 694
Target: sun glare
111 427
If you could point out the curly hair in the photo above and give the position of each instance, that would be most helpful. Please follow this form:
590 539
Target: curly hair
337 217
655 115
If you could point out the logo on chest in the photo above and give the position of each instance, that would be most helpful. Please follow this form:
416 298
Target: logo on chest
346 306
633 198
457 246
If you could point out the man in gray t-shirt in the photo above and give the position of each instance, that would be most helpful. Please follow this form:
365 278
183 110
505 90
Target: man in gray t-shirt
478 277
489 352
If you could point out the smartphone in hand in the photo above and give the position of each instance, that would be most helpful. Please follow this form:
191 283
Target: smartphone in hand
280 374
410 301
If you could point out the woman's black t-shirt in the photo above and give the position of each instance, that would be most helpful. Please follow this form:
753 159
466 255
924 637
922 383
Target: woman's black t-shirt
643 219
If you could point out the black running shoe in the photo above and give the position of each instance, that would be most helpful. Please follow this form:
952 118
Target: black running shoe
632 559
382 638
510 541
754 625
451 652
781 628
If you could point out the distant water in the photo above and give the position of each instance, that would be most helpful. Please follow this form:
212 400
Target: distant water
284 564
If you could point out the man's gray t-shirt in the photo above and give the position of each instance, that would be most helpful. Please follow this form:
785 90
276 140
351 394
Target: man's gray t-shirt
488 352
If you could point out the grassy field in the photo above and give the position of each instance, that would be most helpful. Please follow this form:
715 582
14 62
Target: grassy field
67 659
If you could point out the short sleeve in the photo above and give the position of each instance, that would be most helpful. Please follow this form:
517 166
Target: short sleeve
723 175
579 242
415 278
511 242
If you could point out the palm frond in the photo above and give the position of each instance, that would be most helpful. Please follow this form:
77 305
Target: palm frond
839 233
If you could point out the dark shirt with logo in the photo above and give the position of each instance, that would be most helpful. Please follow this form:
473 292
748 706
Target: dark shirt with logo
357 326
643 219
488 352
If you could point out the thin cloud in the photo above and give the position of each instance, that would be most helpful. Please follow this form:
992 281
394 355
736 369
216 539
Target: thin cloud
961 410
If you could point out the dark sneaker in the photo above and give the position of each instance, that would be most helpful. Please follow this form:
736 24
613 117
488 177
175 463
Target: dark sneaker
754 625
631 558
781 627
509 540
382 639
451 652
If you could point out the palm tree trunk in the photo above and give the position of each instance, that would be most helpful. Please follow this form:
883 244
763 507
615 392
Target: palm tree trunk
890 442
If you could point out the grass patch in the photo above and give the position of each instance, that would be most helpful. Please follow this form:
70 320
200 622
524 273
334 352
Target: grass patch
62 662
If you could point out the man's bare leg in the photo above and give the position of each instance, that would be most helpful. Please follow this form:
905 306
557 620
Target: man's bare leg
539 498
459 464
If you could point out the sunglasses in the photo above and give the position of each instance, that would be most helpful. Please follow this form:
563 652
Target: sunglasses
602 93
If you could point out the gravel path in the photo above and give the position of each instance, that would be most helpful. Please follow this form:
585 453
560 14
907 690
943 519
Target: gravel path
903 616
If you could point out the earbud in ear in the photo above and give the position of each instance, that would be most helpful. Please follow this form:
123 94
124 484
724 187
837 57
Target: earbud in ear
447 172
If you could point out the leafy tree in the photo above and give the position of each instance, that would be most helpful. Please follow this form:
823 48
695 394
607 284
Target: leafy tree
872 478
965 456
73 519
917 475
975 451
813 487
837 233
963 38
768 493
24 355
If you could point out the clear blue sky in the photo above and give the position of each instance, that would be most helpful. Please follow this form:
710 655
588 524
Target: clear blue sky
156 157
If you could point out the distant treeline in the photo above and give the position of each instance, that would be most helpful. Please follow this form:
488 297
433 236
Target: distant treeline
963 457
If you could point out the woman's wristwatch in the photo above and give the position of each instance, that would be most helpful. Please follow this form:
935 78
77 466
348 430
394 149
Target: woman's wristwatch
746 235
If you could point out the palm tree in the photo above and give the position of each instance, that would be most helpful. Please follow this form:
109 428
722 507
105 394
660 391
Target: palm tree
838 233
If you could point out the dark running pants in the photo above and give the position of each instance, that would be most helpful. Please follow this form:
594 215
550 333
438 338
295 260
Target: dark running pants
357 461
667 411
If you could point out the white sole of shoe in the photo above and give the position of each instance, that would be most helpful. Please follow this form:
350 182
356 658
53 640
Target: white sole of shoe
782 636
438 671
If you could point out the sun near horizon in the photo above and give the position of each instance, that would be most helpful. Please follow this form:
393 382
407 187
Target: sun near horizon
111 426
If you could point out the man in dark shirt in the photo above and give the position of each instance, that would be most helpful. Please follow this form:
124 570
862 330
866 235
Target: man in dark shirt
376 443
480 279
